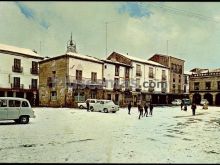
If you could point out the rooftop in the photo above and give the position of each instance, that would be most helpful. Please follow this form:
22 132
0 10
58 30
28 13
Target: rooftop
19 50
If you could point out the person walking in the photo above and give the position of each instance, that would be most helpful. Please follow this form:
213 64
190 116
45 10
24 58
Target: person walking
193 109
151 109
181 105
87 104
129 108
145 109
140 109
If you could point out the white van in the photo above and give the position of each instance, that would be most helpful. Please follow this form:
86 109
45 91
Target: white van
17 109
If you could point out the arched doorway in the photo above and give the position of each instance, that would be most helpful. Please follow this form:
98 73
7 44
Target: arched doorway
196 98
209 97
217 99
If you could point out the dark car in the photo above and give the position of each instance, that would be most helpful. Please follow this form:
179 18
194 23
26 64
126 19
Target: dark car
186 102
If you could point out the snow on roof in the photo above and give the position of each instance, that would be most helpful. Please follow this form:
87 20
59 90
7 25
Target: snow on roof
188 72
87 57
115 62
141 60
18 50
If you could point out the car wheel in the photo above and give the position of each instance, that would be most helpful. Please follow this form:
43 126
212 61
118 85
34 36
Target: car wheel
113 111
24 119
105 110
91 108
81 107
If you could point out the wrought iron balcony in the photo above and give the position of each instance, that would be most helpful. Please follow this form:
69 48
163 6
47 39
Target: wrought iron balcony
17 86
17 69
34 71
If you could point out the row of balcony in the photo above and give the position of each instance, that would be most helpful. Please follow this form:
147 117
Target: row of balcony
212 74
20 70
206 89
21 86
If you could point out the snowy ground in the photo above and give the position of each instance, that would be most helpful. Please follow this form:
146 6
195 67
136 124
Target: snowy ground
71 136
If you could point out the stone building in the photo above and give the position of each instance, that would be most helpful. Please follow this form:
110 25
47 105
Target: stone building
19 73
70 78
176 74
205 84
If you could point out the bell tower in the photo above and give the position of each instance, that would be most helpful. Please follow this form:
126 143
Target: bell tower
71 46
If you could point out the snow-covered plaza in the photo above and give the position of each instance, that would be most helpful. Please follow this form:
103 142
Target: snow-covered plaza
66 135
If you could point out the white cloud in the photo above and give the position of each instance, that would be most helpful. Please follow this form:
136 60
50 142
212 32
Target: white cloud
190 36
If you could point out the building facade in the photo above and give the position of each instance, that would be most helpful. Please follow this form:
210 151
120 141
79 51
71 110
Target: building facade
70 78
19 73
205 84
176 74
147 79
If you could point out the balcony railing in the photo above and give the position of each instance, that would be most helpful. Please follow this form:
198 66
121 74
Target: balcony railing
151 75
164 78
150 89
205 74
33 87
17 69
83 80
34 71
138 88
17 86
117 87
138 73
128 88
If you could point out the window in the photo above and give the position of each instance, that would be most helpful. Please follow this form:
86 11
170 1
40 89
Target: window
116 70
174 86
218 85
105 66
138 81
109 97
24 104
17 63
78 74
93 96
184 88
208 85
17 82
14 103
179 78
138 70
3 103
126 72
196 86
174 80
185 79
53 95
94 77
34 83
151 75
164 75
34 65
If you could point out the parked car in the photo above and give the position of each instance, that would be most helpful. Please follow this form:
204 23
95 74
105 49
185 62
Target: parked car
176 102
186 101
204 101
105 106
91 103
17 109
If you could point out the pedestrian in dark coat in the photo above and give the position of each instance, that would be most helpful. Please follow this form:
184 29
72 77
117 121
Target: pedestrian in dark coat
87 104
129 108
193 109
181 105
151 109
140 109
146 109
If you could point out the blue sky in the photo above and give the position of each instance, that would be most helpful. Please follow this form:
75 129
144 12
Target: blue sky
140 29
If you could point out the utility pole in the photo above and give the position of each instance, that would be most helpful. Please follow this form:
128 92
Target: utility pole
106 38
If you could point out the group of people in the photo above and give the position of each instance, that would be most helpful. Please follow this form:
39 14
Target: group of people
143 109
193 107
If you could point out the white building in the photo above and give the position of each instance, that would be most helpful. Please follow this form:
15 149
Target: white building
19 72
148 79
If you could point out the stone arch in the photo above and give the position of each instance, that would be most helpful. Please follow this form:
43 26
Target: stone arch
209 97
197 98
217 99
